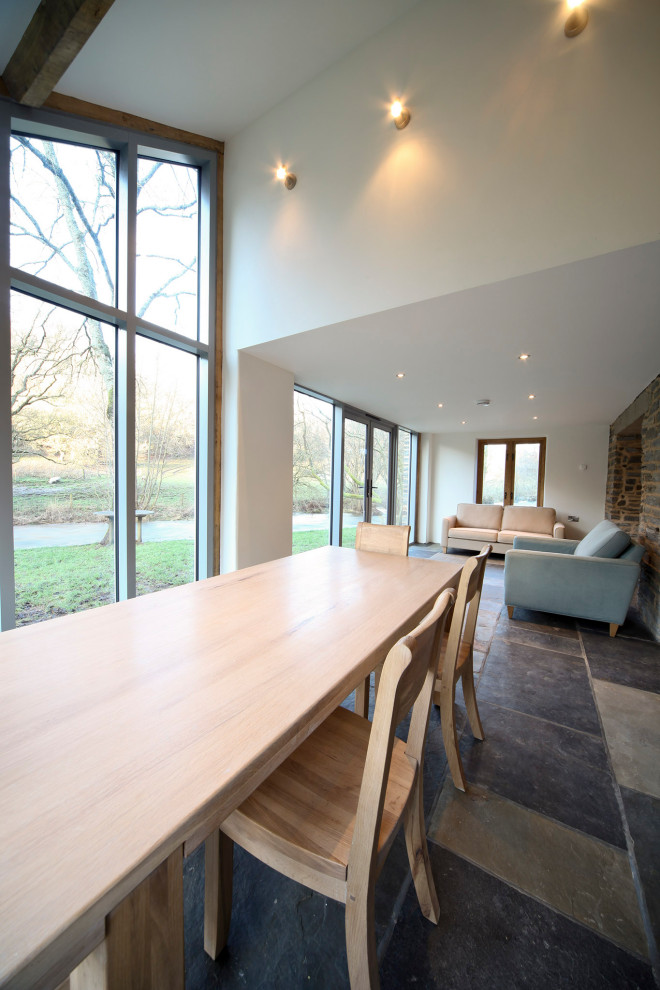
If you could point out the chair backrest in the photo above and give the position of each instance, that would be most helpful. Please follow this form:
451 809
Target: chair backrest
382 539
407 680
468 597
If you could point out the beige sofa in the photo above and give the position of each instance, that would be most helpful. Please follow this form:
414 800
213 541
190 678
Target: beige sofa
473 525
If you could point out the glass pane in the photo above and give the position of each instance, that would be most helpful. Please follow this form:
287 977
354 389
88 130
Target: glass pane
62 391
526 481
167 245
402 509
63 214
493 479
312 466
355 443
165 431
380 476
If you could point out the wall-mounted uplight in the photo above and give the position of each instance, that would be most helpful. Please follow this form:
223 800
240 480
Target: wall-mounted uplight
400 115
288 178
577 19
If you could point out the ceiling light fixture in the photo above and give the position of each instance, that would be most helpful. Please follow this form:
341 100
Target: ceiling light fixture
577 19
440 405
524 357
400 374
534 417
483 402
288 178
531 396
462 422
400 115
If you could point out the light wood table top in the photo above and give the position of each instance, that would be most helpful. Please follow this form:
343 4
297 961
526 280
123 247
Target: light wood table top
133 729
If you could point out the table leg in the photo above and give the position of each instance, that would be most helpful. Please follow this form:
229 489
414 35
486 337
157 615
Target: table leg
143 947
218 880
362 698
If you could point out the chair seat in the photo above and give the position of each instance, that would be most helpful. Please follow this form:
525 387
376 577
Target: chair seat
306 809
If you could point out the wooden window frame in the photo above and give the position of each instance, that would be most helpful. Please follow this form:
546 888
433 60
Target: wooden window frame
510 466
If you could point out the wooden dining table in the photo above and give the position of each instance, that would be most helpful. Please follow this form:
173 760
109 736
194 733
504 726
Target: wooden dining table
129 732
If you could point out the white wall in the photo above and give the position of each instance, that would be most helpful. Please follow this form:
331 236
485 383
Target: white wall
257 475
501 171
567 489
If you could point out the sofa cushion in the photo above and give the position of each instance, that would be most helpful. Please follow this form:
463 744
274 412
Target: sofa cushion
508 535
604 540
468 533
478 516
528 519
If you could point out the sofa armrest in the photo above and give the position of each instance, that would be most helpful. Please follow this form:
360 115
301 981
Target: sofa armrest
547 543
598 588
559 531
447 523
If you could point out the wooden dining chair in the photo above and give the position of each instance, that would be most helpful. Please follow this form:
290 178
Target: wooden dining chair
457 662
327 817
382 539
378 539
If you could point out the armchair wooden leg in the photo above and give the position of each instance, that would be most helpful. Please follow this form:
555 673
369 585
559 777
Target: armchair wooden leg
471 702
510 609
449 736
361 940
218 879
418 856
613 628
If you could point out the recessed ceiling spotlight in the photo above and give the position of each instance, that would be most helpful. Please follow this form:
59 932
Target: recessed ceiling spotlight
524 357
577 19
534 417
462 422
440 404
531 396
288 178
400 374
400 114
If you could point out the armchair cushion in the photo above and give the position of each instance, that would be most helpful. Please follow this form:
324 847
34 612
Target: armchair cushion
545 543
604 540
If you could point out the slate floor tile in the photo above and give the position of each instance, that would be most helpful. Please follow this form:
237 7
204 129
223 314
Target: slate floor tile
631 721
577 875
492 937
548 768
539 682
544 637
545 620
625 661
643 816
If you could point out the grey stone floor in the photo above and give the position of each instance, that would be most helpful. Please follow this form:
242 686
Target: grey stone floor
547 869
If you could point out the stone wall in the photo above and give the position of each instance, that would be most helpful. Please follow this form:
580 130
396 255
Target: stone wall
633 491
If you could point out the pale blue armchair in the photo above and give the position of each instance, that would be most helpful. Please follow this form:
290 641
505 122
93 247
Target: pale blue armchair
593 578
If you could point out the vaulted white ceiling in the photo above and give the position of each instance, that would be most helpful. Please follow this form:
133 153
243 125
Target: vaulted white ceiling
207 66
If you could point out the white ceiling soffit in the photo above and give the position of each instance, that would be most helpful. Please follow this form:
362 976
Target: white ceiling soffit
592 329
207 66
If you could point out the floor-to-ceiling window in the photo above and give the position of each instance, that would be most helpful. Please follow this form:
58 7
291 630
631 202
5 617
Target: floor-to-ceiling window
106 309
347 467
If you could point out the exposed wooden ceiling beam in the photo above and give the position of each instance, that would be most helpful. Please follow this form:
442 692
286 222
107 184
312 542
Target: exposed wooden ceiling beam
52 39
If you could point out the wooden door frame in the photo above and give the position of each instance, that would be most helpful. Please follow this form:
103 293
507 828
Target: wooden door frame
510 466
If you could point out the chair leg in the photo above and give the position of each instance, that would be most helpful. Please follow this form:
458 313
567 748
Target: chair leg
361 941
450 737
467 677
218 877
418 856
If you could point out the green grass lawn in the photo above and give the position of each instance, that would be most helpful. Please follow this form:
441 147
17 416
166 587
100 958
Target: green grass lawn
53 581
310 539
